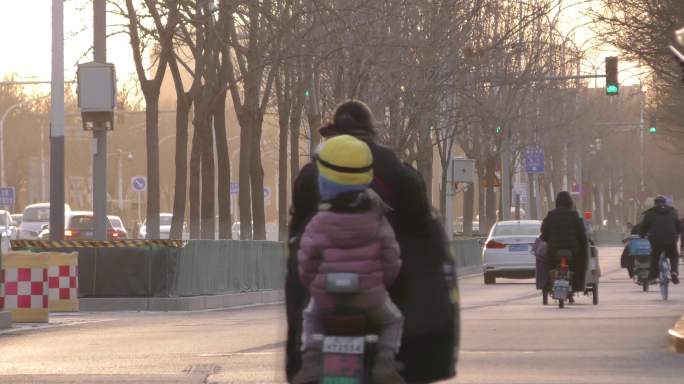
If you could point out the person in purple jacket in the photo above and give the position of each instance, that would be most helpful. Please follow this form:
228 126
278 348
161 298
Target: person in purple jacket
350 234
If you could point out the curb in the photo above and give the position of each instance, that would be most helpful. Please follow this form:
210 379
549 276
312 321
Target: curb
5 320
677 336
473 270
193 303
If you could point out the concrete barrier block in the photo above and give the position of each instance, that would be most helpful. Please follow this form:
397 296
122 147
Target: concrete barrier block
5 319
99 304
213 302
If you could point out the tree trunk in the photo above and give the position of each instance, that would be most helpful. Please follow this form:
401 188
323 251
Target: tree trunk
245 194
223 155
468 205
490 204
152 137
284 100
208 207
257 184
443 189
295 132
181 183
194 189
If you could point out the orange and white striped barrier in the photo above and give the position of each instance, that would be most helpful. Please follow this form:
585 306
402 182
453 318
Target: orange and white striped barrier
63 282
26 288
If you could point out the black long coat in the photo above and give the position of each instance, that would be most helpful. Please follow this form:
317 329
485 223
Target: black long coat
563 229
422 290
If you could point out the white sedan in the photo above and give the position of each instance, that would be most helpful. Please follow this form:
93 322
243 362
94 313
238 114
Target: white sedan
507 250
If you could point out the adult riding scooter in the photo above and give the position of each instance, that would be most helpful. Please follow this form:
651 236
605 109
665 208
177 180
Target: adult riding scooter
348 342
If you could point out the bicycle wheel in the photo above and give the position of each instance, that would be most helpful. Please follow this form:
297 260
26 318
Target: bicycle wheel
545 296
561 303
595 295
644 286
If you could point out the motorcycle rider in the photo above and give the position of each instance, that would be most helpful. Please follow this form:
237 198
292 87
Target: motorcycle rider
662 226
564 229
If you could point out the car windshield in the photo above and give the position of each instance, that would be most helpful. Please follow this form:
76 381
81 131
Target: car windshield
116 222
165 220
3 220
517 230
83 222
36 214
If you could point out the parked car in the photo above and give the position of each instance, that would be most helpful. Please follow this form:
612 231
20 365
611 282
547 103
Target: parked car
34 216
80 225
507 250
118 225
7 227
164 227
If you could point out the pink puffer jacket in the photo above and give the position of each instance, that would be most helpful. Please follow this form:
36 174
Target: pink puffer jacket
362 243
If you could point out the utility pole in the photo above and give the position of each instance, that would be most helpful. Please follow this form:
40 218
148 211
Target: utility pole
57 124
100 135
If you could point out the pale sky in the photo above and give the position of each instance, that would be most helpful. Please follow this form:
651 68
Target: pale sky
26 40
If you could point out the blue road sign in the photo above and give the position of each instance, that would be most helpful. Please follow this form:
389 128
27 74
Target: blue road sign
7 196
534 159
139 183
234 187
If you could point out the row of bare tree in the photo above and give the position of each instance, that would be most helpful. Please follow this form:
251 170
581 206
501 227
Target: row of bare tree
439 75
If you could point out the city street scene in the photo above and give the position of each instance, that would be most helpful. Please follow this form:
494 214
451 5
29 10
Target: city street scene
341 191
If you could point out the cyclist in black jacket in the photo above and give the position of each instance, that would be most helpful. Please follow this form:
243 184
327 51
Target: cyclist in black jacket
662 226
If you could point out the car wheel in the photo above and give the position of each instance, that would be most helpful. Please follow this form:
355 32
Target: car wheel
489 279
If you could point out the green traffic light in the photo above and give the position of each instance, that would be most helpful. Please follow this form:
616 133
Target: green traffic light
612 89
652 130
307 93
498 130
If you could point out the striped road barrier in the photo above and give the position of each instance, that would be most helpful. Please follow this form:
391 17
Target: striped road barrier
124 243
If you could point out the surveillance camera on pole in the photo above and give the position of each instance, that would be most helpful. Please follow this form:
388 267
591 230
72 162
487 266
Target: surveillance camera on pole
97 95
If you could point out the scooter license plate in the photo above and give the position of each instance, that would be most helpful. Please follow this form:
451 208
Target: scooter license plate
342 368
344 345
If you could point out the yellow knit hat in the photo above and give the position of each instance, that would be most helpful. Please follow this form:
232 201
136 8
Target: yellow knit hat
345 160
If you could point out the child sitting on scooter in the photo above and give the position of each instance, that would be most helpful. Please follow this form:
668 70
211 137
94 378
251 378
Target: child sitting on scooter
350 234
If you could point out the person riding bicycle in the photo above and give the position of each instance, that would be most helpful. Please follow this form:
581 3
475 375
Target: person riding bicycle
563 229
662 226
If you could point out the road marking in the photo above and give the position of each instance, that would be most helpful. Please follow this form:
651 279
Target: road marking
230 354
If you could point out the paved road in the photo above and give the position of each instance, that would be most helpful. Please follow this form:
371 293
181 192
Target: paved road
509 337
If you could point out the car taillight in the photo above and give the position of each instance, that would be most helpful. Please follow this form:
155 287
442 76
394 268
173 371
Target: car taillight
70 233
115 234
492 244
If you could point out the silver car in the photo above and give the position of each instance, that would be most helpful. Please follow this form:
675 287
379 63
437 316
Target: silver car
507 250
33 219
164 227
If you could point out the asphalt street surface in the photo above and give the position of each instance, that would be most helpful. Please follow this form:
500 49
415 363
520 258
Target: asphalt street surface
508 337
